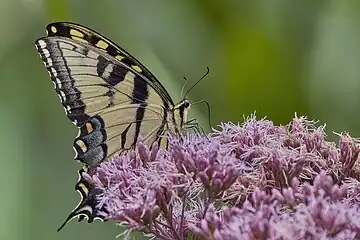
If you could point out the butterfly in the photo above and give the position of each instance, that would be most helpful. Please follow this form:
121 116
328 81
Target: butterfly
112 98
108 94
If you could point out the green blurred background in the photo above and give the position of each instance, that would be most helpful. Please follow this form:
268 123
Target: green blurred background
275 57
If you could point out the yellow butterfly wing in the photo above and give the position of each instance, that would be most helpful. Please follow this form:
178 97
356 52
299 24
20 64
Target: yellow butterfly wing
113 99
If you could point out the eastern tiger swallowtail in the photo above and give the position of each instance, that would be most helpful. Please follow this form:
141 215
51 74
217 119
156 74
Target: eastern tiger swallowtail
106 92
112 98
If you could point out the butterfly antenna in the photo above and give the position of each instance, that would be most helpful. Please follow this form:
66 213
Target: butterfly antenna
183 87
208 107
207 72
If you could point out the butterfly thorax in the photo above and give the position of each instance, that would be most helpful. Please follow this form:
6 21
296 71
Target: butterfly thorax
178 117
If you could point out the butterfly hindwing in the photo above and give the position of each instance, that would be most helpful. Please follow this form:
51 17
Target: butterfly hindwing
95 141
88 206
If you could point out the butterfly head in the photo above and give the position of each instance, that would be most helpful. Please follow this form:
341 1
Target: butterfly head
186 104
179 116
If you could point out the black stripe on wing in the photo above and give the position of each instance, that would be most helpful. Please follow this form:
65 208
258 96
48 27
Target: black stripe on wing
140 94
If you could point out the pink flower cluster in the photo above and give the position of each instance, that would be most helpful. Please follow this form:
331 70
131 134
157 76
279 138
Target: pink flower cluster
249 181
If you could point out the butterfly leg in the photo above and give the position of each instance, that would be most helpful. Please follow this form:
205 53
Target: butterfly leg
195 126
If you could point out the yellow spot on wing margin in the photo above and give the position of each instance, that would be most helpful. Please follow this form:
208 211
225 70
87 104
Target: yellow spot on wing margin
84 188
76 33
53 29
136 68
119 57
89 127
82 145
102 44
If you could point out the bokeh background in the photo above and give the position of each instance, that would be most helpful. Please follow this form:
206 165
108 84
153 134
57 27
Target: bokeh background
275 57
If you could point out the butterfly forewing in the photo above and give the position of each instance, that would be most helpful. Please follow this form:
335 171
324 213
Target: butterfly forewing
88 37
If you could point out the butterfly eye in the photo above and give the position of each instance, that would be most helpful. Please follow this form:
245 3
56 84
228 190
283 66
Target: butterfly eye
186 103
